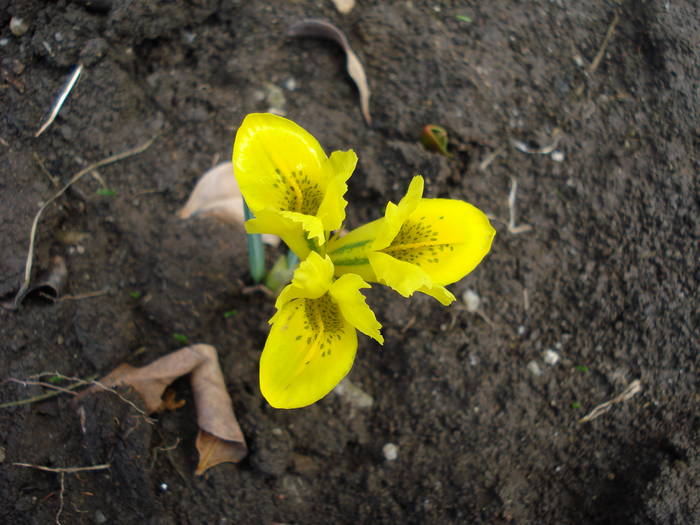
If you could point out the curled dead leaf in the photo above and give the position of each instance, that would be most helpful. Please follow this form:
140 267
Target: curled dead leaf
50 284
217 194
313 27
220 438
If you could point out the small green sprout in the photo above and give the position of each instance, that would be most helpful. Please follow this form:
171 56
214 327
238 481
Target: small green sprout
230 313
575 405
135 294
582 368
464 18
181 338
55 379
434 138
107 192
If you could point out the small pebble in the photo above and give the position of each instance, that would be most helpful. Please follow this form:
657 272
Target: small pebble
550 357
471 300
557 156
100 517
390 451
163 487
4 41
534 368
290 84
521 329
18 26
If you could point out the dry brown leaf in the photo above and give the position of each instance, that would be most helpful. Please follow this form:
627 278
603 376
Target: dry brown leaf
220 435
322 29
217 194
344 6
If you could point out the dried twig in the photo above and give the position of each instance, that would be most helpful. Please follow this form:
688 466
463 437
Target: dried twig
512 228
32 236
66 470
43 397
601 52
62 478
484 165
41 383
632 389
61 99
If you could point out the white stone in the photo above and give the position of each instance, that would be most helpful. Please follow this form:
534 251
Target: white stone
390 451
471 300
534 368
550 357
557 156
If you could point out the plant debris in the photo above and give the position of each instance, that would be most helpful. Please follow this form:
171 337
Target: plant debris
14 303
219 438
344 6
312 27
68 86
217 194
49 284
628 393
434 138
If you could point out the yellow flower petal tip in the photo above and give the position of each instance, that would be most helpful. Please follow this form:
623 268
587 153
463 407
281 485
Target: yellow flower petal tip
282 169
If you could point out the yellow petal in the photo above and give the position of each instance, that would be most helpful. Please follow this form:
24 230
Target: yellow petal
311 280
309 350
402 276
289 230
279 165
332 208
440 293
395 215
346 292
446 238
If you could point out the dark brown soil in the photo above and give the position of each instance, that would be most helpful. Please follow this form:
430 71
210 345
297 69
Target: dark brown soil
608 276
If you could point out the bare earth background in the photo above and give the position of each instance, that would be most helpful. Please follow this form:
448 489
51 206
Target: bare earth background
607 277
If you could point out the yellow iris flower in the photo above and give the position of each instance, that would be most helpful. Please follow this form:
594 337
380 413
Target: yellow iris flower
313 339
294 190
419 245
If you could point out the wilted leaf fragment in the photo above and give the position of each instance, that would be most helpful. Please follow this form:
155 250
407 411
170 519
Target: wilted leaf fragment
313 27
220 438
51 284
217 194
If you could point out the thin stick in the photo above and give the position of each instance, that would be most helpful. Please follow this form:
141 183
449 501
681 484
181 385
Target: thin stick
86 295
67 470
61 99
104 387
596 61
42 383
42 397
62 478
512 228
632 389
32 236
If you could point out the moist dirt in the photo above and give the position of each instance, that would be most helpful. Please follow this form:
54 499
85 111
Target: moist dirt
602 139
